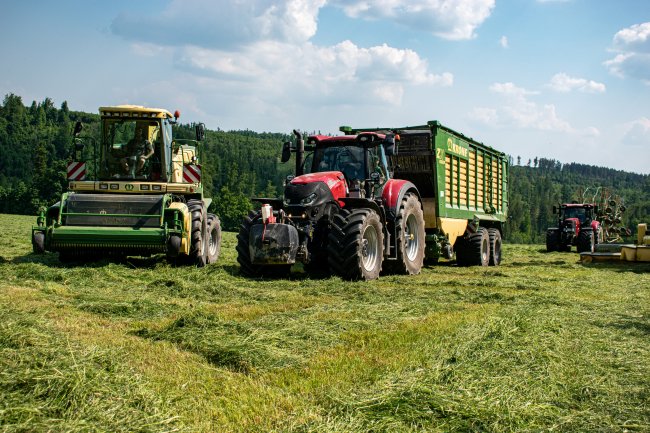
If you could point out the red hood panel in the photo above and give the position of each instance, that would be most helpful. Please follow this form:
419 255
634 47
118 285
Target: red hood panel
334 180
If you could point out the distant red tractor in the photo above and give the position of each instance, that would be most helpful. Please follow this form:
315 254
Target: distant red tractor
577 225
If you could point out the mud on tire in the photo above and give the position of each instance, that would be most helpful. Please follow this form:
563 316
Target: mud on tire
356 244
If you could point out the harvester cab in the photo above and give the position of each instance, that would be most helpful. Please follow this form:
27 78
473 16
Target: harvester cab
134 191
576 225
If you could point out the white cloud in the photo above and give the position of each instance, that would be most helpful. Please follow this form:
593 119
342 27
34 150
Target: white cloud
503 42
449 19
518 111
636 36
633 58
262 48
224 25
637 133
564 83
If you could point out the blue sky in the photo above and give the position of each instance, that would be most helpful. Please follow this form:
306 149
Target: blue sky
561 79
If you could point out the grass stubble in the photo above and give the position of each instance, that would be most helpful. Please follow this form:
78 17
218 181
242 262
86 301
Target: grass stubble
540 343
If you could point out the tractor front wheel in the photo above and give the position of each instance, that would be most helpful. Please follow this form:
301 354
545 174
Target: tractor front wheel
552 241
356 244
585 242
410 237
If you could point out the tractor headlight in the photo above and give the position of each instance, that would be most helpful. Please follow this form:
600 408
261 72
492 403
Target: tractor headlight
309 199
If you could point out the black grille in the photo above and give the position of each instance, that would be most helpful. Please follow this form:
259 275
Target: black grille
113 210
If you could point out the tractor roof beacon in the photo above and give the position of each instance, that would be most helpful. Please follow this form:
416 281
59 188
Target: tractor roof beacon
134 190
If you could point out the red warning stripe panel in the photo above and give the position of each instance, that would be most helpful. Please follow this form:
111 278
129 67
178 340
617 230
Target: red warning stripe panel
76 170
192 173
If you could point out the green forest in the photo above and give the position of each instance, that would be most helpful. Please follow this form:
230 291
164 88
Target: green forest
35 143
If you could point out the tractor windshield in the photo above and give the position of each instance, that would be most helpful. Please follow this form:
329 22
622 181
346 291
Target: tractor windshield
354 161
347 159
131 149
576 212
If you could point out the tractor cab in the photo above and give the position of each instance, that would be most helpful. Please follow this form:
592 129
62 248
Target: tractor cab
584 213
361 158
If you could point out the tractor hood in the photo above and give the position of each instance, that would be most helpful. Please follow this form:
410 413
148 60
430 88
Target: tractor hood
334 180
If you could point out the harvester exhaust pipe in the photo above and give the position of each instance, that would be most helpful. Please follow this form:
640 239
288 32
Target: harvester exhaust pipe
300 152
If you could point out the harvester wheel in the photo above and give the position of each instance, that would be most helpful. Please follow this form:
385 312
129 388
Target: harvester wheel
410 237
585 242
246 267
552 241
38 242
479 248
356 244
495 246
173 246
213 239
199 229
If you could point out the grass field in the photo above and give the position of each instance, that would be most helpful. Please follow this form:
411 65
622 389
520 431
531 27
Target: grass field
540 343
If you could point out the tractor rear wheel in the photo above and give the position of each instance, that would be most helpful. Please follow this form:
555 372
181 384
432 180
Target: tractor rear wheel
495 246
246 266
213 239
478 248
356 244
585 242
199 229
410 241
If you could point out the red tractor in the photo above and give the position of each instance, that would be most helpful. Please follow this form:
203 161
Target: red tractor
347 215
577 225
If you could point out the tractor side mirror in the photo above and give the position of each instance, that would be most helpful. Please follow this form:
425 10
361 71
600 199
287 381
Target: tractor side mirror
286 151
389 145
200 132
77 128
554 209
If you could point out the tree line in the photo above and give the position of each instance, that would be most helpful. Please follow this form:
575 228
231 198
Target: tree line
35 143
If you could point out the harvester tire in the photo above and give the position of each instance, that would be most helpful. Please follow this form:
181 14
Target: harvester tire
173 246
246 267
199 230
213 239
552 241
585 242
410 240
478 252
495 246
38 242
356 245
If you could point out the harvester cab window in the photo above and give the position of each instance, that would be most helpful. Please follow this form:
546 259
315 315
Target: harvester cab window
129 148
